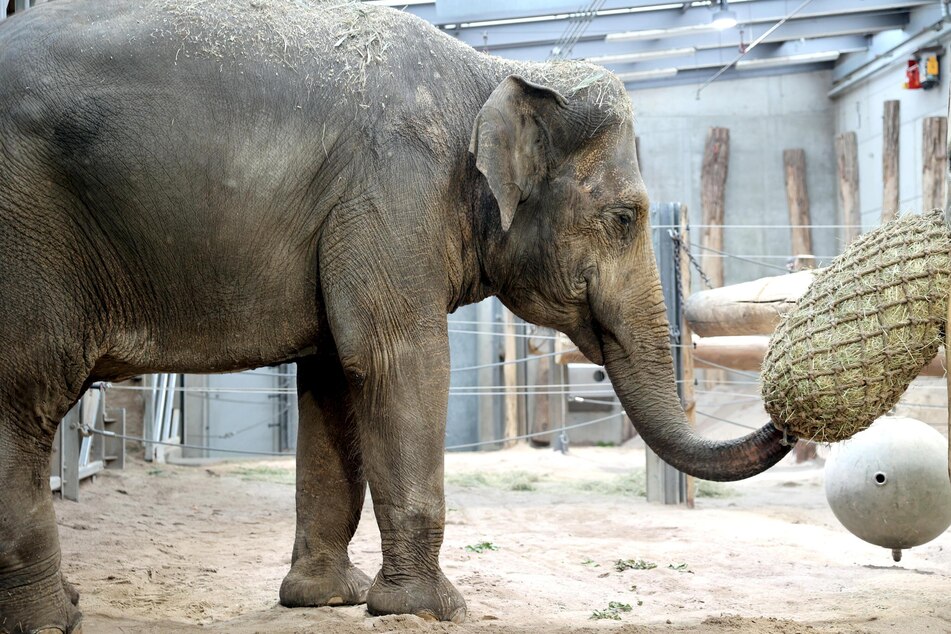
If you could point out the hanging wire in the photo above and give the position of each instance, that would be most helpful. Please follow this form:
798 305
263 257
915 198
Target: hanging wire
536 434
741 258
496 364
724 420
752 375
499 334
101 432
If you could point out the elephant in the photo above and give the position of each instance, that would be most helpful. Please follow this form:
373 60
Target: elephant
219 185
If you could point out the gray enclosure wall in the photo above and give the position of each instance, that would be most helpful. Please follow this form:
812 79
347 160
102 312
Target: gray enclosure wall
765 115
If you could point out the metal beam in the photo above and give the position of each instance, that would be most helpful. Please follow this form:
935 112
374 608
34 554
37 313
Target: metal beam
700 75
749 13
712 58
793 30
517 9
533 9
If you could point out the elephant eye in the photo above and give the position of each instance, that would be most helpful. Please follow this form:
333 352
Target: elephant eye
625 217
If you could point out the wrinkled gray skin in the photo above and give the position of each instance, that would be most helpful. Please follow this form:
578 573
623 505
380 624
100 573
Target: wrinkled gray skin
184 191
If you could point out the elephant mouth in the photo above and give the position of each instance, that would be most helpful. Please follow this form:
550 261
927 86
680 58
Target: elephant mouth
589 342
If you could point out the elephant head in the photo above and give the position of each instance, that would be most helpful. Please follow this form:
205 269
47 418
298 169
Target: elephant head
573 252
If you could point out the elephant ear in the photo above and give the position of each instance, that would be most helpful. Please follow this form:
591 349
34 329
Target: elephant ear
511 140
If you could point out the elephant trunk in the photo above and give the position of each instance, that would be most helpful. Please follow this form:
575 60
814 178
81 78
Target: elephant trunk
639 362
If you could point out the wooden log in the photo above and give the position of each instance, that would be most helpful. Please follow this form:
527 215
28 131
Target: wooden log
891 127
688 397
934 131
746 353
716 162
751 308
797 200
847 164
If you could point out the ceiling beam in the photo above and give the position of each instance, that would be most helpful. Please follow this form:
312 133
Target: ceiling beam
477 11
716 58
748 13
699 76
793 30
456 11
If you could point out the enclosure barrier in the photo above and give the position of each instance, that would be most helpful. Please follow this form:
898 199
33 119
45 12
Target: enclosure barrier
89 439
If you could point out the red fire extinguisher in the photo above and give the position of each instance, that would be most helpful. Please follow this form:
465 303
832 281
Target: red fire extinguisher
912 75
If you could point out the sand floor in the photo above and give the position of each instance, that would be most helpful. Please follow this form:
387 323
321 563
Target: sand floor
158 548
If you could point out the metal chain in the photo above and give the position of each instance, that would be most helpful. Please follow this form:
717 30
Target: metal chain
680 245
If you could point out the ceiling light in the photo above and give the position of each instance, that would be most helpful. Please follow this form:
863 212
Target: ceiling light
724 18
641 75
802 58
623 58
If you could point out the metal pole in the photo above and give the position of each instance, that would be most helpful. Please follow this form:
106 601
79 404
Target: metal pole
665 484
70 438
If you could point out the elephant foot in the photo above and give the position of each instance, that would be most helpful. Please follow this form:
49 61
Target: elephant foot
40 608
314 585
431 599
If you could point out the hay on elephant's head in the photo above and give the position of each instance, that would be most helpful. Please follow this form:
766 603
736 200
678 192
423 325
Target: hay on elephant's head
862 332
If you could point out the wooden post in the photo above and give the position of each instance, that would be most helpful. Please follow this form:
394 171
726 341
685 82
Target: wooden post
716 162
947 334
947 190
686 350
891 126
934 131
847 162
797 199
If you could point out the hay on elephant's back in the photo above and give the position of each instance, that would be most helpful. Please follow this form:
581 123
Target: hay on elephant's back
862 332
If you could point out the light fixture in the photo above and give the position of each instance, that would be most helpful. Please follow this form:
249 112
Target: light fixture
802 58
623 58
724 18
642 75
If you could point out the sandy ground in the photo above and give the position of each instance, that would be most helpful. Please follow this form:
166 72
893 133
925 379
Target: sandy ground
182 549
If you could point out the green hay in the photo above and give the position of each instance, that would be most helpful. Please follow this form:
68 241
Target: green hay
510 481
862 332
633 484
266 474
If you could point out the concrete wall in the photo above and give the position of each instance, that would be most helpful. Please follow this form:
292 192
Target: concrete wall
860 111
765 115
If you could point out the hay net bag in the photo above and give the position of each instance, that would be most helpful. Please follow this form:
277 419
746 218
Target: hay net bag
862 331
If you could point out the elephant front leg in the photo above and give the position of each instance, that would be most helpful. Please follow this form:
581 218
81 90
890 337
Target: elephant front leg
400 389
330 492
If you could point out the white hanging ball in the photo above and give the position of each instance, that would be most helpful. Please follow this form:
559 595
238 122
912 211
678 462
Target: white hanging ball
889 484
